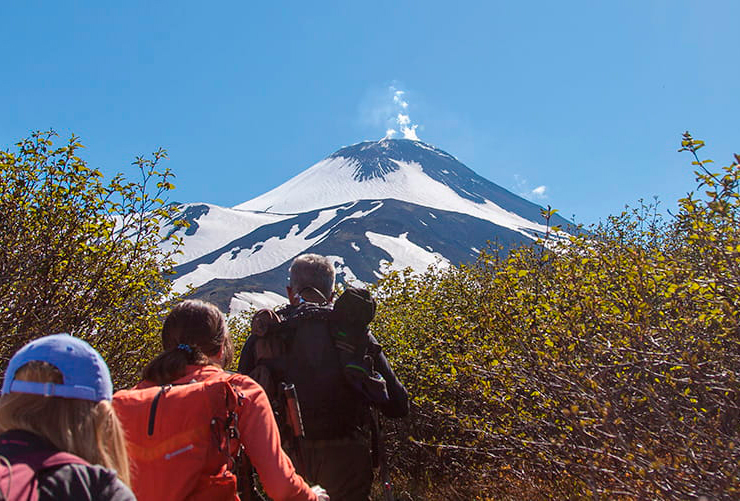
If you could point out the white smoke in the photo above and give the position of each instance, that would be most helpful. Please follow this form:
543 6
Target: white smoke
403 120
388 107
410 132
397 98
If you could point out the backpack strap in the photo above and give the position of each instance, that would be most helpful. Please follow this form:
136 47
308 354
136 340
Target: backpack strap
19 474
238 461
226 430
43 461
302 313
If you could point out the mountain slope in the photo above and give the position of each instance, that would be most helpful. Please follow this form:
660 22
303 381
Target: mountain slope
404 170
366 206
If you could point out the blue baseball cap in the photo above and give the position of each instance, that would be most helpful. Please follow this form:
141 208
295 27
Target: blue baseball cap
85 373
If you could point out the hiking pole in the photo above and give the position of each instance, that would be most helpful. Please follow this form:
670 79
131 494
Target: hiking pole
385 476
295 422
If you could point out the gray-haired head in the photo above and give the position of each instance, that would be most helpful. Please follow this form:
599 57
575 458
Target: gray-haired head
312 271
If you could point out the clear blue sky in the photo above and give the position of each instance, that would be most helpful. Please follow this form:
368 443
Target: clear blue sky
587 99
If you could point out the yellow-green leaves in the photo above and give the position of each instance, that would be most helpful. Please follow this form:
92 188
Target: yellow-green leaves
80 255
599 366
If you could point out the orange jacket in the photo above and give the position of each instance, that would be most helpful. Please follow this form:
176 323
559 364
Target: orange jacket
259 434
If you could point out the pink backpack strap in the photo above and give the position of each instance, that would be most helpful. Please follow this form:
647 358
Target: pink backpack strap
59 459
20 482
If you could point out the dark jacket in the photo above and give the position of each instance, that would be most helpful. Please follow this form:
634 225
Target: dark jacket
67 482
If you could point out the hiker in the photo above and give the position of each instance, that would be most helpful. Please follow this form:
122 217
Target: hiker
302 352
59 436
190 424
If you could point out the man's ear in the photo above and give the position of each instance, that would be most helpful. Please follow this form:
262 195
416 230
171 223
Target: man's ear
292 298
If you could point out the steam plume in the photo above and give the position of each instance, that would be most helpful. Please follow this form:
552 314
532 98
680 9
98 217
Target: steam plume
402 120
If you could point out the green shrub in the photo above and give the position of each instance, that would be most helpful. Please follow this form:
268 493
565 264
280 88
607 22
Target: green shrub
82 256
604 367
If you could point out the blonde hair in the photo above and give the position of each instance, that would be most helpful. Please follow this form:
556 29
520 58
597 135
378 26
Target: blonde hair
90 430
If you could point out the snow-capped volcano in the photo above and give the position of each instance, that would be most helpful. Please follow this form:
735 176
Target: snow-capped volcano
399 202
404 170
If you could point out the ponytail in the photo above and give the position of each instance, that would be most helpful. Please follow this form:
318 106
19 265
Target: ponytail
171 365
193 333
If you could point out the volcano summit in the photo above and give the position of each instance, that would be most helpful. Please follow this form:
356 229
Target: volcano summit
399 202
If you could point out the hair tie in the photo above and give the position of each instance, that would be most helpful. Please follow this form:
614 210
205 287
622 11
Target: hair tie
185 347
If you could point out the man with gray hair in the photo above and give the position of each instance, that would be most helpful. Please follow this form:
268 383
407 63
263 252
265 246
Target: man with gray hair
302 346
311 279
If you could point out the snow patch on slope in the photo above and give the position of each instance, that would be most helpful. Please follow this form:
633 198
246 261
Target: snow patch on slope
406 253
217 228
261 257
362 213
257 300
342 269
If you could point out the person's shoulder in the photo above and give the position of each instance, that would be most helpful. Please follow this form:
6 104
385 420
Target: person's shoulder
82 482
307 311
242 381
144 384
238 379
18 441
247 389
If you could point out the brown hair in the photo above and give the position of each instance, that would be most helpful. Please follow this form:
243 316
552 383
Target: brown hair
193 332
90 430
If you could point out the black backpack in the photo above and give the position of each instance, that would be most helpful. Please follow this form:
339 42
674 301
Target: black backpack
325 354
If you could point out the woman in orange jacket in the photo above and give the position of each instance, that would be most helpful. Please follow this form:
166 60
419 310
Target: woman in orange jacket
197 346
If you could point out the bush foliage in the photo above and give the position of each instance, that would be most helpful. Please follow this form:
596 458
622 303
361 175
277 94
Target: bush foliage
602 365
80 255
605 366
